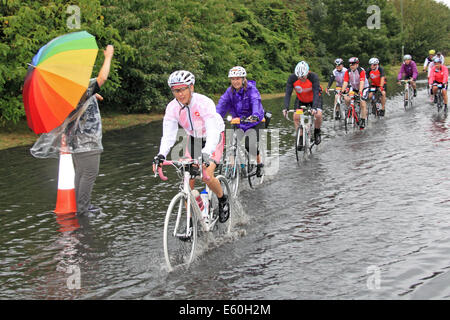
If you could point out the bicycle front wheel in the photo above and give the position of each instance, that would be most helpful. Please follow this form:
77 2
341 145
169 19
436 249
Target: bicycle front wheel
306 141
298 143
180 232
231 172
337 113
439 102
411 97
346 119
405 98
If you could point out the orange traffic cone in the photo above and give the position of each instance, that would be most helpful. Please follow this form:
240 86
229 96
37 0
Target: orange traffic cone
66 200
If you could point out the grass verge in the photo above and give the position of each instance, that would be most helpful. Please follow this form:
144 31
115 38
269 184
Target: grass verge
16 135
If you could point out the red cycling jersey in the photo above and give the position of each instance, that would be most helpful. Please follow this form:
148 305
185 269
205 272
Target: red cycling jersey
304 91
375 76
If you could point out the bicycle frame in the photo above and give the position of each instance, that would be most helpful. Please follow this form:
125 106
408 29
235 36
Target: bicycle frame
338 99
307 123
375 100
408 94
350 112
240 160
183 168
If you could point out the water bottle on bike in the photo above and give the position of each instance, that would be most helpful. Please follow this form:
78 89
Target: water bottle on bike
205 200
199 199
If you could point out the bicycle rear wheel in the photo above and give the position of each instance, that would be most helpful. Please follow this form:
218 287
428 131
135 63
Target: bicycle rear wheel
224 228
180 232
253 179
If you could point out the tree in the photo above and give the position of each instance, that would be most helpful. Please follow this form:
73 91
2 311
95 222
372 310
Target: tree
28 25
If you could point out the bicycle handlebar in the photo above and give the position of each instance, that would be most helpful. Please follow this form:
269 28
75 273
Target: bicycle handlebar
292 111
355 94
180 163
337 90
232 120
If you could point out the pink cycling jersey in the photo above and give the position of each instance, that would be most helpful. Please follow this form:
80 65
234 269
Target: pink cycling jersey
199 119
440 75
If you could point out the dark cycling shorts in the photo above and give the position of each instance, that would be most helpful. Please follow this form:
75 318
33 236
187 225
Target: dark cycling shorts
299 103
384 87
408 77
444 85
195 145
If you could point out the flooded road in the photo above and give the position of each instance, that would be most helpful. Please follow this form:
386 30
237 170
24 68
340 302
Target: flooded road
367 216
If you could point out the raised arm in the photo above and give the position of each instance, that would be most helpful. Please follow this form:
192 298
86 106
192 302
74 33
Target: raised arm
104 71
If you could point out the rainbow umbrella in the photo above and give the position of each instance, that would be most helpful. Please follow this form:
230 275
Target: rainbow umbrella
57 78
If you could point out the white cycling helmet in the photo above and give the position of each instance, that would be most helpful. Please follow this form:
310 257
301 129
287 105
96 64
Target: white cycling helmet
407 57
338 61
301 69
237 72
353 60
374 61
436 59
181 77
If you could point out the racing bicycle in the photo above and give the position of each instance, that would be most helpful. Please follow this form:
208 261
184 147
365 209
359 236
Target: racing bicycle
337 109
375 102
238 163
352 112
439 100
408 94
304 137
184 222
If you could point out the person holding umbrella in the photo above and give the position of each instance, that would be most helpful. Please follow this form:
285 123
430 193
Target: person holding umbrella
84 133
81 131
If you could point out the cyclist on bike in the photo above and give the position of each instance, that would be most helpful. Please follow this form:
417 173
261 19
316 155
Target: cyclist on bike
408 71
197 115
355 79
439 75
428 61
375 74
338 76
308 91
441 56
243 100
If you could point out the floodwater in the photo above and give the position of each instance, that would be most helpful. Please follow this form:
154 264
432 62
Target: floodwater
367 216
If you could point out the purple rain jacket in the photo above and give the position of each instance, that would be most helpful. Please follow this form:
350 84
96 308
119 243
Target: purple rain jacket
242 103
409 70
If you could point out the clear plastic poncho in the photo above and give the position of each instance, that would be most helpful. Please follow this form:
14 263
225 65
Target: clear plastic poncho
82 130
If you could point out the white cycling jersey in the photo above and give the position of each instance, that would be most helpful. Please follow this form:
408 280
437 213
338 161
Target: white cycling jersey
199 119
339 76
